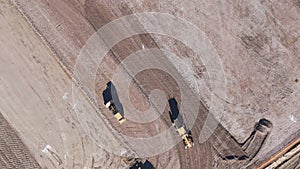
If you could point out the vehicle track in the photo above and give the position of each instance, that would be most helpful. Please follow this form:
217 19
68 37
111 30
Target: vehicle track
13 152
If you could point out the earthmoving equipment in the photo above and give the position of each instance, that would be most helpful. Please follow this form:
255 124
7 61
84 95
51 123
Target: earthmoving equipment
112 107
184 133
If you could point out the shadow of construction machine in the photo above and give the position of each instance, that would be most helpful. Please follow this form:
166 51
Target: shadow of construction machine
139 164
178 123
112 102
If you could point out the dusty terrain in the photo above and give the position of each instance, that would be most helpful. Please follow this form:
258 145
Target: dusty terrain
35 100
258 47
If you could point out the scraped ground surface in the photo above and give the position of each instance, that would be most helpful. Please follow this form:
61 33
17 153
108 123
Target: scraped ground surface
258 44
35 101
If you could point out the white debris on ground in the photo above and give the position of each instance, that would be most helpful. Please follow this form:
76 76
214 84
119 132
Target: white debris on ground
46 149
65 96
74 106
123 152
293 118
63 136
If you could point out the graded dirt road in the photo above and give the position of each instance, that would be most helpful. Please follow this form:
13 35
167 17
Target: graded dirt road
35 101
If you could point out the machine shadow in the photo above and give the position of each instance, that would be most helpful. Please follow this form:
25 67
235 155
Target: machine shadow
174 111
110 94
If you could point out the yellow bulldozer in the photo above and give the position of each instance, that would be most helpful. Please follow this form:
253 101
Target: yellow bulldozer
178 123
184 133
112 102
112 107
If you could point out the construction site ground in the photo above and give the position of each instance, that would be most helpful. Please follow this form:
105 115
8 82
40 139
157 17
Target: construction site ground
257 42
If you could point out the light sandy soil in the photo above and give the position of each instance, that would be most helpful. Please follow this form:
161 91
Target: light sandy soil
35 100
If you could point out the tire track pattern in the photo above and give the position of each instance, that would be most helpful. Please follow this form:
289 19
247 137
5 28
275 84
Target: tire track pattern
13 152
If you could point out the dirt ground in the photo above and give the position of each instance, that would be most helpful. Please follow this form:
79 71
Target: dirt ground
35 100
258 44
14 154
259 48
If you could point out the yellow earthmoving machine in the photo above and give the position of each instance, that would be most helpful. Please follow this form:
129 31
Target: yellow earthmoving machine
112 102
112 107
178 123
184 133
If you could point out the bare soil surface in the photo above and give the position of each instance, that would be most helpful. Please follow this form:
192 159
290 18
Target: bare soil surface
98 14
35 102
258 46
